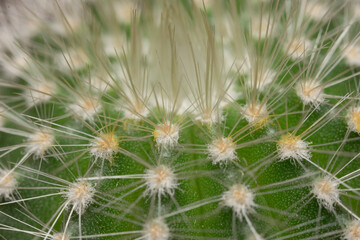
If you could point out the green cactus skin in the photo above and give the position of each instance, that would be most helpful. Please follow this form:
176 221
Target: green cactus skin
162 120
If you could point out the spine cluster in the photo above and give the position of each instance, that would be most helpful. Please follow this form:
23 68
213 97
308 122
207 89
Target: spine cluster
192 119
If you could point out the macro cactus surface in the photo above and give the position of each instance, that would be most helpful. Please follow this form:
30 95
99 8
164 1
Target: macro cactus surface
188 119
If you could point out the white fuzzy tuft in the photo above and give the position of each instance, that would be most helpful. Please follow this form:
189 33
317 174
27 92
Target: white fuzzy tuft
99 84
261 79
352 55
352 232
240 199
123 10
7 184
166 135
255 113
86 108
292 147
113 44
136 110
160 180
311 92
209 117
39 142
104 146
326 191
356 10
156 230
80 195
42 93
222 150
71 11
299 47
16 63
262 29
60 236
316 10
73 59
353 117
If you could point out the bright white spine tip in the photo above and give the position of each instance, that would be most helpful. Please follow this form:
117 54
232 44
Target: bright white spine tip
86 108
104 146
166 135
352 232
222 150
326 191
353 117
39 142
292 147
160 180
156 230
7 184
255 113
310 92
240 199
80 195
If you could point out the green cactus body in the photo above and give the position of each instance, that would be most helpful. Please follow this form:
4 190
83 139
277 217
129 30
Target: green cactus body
162 120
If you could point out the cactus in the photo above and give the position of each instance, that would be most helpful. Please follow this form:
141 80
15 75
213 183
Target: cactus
192 119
